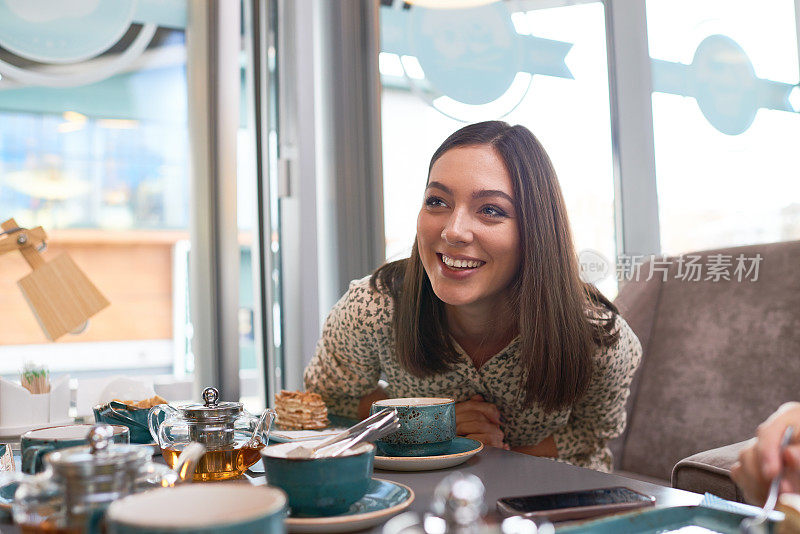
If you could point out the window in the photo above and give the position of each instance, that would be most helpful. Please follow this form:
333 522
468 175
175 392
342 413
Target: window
94 147
544 69
103 168
725 134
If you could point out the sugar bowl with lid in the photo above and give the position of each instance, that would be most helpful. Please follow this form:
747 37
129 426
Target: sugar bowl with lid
232 437
78 483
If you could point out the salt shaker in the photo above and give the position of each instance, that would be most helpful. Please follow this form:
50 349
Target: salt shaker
458 507
458 500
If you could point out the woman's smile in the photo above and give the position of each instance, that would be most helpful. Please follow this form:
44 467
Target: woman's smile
457 269
460 263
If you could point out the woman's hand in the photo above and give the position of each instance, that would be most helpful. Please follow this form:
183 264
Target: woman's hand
760 462
478 419
365 403
547 447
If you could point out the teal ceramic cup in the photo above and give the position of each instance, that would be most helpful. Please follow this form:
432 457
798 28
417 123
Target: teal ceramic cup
34 444
427 426
118 413
200 509
320 486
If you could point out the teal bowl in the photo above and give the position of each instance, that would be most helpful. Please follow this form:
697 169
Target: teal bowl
200 509
117 413
322 486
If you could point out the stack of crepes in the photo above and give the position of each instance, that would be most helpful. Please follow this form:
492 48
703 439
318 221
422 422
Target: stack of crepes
298 410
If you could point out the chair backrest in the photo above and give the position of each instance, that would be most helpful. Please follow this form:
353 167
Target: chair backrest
718 355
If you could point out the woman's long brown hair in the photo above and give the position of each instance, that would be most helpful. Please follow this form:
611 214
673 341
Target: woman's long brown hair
561 320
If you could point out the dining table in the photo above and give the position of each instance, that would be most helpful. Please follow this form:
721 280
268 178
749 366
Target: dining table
503 473
507 473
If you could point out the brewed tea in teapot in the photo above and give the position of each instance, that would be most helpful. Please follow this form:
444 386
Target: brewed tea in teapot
231 436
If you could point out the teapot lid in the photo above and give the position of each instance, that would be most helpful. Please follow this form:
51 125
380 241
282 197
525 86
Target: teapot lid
100 456
211 411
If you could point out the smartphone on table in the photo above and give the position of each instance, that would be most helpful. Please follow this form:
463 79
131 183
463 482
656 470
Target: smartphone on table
575 504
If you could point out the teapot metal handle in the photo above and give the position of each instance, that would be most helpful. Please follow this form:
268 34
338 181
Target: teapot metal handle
152 419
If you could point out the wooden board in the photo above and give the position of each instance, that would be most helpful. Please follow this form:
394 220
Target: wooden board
133 270
59 293
61 296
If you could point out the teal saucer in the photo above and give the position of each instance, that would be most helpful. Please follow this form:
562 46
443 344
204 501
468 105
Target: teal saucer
461 450
657 520
383 500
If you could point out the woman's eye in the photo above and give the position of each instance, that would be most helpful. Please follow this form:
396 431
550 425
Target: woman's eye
493 211
434 201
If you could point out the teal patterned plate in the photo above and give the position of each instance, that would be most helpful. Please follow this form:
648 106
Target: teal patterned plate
383 500
7 499
695 519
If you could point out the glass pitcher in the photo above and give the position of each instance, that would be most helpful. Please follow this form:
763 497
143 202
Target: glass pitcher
78 483
232 437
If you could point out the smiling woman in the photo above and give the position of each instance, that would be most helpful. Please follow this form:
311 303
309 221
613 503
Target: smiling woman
489 310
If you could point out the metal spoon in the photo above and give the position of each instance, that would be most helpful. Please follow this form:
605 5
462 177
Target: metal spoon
759 524
387 424
355 429
370 434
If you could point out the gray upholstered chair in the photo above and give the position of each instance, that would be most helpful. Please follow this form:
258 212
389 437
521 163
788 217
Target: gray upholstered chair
718 358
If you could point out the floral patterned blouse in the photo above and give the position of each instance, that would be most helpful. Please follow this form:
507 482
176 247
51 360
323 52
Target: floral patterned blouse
357 349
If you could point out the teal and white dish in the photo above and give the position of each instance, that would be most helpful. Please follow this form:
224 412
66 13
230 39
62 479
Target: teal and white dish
7 499
118 413
383 500
200 509
658 520
461 450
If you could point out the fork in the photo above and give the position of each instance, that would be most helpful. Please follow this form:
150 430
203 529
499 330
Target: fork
758 524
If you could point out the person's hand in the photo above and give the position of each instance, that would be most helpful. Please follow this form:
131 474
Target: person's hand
478 419
761 461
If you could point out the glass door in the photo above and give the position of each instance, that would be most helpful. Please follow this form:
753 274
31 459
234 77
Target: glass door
95 148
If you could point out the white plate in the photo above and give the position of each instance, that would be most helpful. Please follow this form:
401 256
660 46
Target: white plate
14 432
461 450
284 436
338 424
383 500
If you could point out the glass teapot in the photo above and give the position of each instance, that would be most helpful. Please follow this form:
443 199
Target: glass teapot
78 483
232 437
